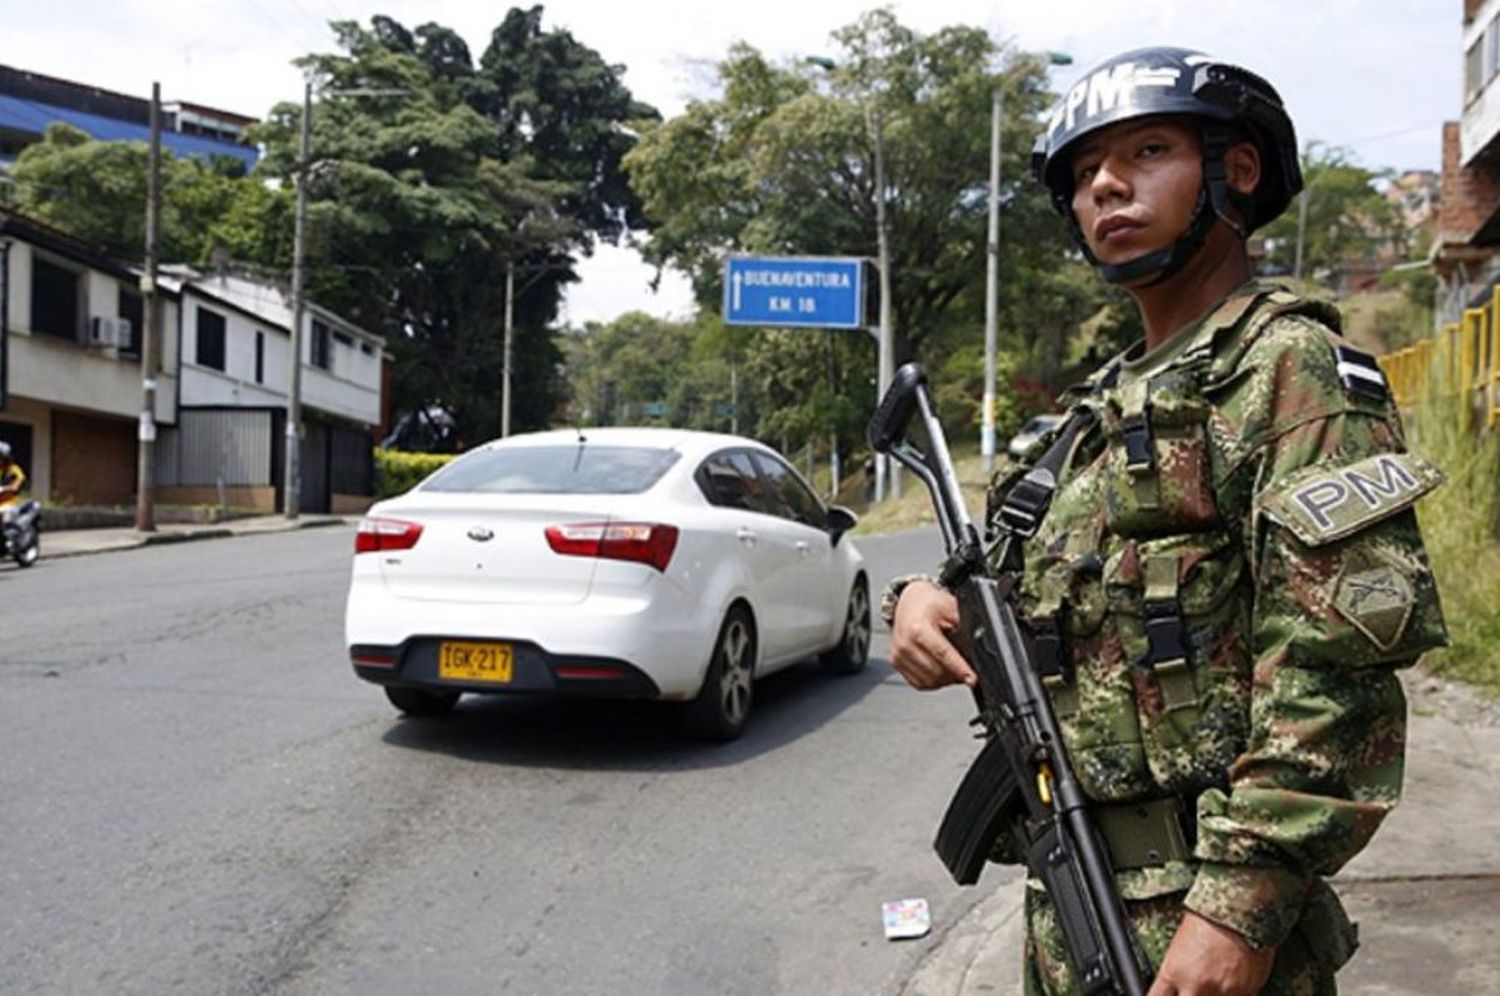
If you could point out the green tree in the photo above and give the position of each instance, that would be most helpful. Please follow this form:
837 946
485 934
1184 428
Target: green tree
96 191
1348 222
421 199
782 161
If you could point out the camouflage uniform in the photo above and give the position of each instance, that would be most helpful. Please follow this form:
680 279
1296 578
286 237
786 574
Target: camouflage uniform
1234 568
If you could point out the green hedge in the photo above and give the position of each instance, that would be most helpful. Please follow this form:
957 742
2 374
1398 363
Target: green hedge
397 472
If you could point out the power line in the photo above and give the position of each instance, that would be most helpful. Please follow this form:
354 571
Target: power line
1386 134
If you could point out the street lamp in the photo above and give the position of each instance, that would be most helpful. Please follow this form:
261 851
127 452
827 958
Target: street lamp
886 365
992 262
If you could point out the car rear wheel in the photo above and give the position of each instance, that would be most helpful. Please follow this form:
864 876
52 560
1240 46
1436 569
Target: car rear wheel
853 650
420 702
723 705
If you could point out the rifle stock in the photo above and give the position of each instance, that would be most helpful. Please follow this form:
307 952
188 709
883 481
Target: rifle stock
1021 783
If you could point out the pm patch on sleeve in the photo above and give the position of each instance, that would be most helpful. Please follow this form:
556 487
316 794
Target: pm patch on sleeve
1322 503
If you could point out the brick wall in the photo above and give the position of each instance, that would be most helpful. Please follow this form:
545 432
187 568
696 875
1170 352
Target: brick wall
93 459
1470 197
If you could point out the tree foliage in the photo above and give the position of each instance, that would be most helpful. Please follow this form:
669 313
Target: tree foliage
429 176
432 176
1349 221
97 191
782 162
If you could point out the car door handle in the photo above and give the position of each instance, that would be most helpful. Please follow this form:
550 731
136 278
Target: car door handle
803 549
747 536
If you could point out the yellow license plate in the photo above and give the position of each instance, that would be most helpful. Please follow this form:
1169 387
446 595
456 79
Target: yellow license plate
476 661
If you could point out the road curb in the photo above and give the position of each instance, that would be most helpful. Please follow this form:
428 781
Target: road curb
82 542
152 539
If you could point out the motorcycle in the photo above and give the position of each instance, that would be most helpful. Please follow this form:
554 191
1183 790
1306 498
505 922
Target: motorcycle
19 535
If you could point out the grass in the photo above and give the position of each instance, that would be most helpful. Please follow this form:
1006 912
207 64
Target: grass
1458 527
914 507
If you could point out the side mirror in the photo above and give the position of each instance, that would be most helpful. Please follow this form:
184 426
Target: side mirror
840 521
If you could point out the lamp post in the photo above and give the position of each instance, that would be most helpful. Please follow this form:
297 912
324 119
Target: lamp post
885 336
992 265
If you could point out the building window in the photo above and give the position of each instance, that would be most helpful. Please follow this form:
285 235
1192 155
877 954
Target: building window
260 357
133 310
1474 70
55 307
1491 41
210 339
322 346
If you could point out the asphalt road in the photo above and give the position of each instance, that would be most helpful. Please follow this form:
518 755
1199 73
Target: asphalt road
197 796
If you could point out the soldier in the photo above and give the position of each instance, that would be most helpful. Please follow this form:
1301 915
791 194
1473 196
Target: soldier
1231 561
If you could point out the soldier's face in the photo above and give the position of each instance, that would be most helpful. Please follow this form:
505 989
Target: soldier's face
1135 185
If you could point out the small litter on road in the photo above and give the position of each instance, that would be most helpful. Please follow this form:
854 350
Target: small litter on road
906 918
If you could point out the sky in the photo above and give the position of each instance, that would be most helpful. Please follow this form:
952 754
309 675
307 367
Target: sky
1377 77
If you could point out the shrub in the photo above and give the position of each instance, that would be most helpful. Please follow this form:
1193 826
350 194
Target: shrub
1458 523
397 472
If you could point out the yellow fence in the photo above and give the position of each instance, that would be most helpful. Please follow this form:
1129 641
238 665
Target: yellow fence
1462 359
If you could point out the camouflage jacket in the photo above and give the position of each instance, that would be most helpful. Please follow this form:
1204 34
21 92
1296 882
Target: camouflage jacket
1233 564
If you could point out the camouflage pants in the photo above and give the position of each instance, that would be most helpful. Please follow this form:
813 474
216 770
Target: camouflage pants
1298 970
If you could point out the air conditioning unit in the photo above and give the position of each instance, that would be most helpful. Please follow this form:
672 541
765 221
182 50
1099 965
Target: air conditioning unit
107 331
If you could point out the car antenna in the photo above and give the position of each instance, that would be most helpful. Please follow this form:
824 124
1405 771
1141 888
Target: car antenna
578 456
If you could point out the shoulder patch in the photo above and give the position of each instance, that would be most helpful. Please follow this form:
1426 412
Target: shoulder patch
1375 594
1360 374
1321 504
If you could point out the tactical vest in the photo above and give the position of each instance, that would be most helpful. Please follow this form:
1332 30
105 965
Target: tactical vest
1139 597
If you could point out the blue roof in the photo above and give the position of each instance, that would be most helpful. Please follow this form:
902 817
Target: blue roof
33 117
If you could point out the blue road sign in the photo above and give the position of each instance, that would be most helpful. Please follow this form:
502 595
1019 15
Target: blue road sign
822 292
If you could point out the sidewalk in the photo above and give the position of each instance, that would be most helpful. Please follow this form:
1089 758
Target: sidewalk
76 542
1426 892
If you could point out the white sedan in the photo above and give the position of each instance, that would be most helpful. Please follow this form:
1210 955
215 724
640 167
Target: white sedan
630 563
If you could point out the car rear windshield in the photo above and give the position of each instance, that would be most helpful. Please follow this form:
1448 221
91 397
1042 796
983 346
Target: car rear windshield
569 469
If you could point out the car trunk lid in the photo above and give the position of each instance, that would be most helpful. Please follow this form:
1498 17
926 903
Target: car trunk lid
493 549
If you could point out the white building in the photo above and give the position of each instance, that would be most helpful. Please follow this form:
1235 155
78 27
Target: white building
70 363
228 444
71 383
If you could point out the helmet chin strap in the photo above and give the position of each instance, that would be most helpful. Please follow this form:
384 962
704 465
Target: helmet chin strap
1213 201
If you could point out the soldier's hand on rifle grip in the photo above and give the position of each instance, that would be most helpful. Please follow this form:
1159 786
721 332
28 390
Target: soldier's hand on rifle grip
920 649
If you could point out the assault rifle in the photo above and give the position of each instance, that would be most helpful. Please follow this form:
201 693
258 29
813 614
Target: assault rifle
1021 783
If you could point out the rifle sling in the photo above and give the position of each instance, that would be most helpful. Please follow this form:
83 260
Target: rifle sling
1028 499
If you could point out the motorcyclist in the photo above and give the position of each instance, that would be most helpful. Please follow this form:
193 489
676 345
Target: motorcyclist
12 481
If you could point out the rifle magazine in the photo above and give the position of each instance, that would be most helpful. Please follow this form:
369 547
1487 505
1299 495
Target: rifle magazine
985 806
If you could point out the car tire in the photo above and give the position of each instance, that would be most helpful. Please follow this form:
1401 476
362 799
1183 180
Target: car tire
722 706
853 649
420 702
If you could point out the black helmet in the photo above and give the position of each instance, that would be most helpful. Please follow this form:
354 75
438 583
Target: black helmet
1151 81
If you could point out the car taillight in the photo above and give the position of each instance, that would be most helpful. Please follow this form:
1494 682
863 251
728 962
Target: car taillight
378 535
643 542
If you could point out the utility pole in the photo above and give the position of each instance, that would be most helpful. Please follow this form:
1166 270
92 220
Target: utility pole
1301 233
887 359
293 483
992 260
145 508
992 285
510 314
